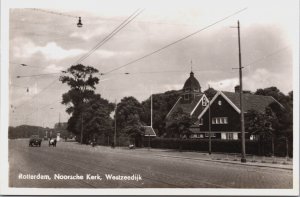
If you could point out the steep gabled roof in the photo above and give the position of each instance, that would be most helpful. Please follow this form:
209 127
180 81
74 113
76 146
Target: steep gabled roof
250 101
189 108
149 131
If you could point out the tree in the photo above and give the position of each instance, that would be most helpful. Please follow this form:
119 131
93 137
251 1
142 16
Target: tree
284 124
262 125
162 104
128 115
96 118
210 93
179 124
82 85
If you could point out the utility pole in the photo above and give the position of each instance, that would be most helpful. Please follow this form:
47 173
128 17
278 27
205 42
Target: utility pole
209 128
115 134
59 120
81 133
243 159
151 121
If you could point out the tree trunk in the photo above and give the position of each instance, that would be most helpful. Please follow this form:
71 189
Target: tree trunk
273 149
287 147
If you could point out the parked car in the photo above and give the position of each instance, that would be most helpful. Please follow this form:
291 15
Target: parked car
35 140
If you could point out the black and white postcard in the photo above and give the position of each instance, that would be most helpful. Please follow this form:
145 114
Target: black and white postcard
146 97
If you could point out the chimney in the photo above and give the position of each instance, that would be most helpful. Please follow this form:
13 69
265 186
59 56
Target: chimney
237 89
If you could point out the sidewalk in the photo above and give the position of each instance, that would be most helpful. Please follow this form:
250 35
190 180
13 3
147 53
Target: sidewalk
231 158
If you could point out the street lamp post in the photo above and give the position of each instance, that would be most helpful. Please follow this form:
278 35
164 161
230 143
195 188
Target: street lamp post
115 134
81 132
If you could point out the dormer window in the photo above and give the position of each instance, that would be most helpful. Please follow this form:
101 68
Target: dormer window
186 89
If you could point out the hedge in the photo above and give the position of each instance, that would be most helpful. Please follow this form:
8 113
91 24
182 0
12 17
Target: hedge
218 145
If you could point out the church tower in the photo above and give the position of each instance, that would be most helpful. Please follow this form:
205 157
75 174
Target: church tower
191 89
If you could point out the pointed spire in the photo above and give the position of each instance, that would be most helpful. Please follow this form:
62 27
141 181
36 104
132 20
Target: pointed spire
191 74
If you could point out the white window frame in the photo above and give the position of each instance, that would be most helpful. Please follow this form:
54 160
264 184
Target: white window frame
201 121
213 120
225 120
204 102
229 136
219 120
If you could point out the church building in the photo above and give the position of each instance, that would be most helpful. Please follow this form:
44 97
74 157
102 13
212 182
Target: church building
224 110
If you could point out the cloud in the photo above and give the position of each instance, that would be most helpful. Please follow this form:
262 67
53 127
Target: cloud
168 87
89 33
51 51
53 68
260 78
226 84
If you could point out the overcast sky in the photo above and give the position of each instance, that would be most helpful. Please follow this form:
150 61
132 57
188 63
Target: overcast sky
50 43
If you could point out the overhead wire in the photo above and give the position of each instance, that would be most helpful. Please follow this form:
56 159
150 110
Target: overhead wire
155 72
175 42
109 36
131 17
27 115
52 12
38 75
268 55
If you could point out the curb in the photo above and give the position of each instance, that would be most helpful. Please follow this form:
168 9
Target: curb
228 162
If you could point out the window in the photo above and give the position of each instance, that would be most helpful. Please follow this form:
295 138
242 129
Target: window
186 97
204 102
220 120
219 102
253 137
211 134
213 120
225 120
186 89
201 121
196 89
229 136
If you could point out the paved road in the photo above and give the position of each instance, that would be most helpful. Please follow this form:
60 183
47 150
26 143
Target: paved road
69 159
